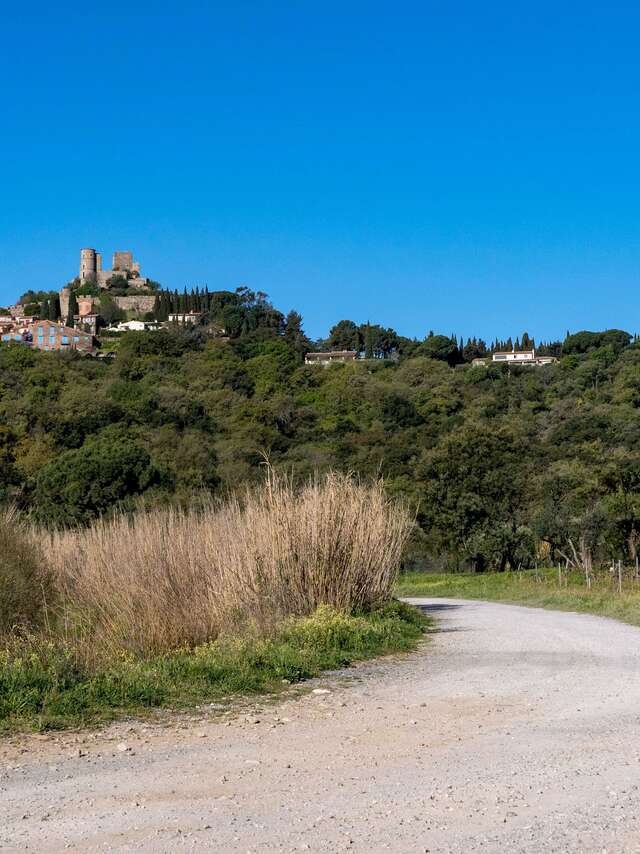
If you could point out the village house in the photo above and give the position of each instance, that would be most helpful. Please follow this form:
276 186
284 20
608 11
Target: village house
526 358
330 357
185 317
87 322
135 326
48 336
19 337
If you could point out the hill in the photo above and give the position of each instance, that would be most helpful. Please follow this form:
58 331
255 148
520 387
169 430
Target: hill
502 466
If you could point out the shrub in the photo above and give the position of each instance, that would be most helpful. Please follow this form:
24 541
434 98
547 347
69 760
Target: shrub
26 588
171 578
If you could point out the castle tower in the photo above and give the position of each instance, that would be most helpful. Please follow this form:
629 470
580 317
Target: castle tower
88 264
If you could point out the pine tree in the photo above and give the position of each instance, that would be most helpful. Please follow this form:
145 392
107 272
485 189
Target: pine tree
294 335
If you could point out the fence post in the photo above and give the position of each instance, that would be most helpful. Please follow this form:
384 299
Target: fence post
619 576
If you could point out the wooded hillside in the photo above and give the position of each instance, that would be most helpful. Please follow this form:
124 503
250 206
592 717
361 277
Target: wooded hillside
503 467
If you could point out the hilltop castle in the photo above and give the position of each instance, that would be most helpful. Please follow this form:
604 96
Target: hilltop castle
122 265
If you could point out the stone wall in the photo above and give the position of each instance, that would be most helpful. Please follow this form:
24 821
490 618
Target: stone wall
142 304
64 302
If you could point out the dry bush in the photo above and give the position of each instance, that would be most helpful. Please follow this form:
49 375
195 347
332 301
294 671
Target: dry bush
26 588
170 578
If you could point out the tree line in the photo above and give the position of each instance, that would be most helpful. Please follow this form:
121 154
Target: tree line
503 467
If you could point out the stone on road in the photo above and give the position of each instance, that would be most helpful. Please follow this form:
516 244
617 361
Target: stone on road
511 730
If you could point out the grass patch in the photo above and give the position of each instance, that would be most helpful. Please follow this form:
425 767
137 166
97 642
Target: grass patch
526 588
41 687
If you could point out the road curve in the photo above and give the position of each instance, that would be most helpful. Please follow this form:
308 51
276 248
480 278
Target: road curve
511 730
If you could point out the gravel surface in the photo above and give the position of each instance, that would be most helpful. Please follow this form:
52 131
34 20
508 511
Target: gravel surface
511 730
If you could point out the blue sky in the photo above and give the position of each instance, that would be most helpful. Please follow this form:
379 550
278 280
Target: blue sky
463 167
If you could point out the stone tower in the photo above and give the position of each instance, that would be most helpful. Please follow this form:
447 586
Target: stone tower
88 264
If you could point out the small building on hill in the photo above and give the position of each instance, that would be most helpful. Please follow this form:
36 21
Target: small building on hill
135 326
49 336
87 322
330 357
520 357
184 317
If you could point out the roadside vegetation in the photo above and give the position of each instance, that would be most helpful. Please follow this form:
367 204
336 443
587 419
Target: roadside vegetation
608 595
169 607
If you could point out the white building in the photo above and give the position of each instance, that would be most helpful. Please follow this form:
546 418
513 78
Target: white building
185 317
522 357
331 356
134 326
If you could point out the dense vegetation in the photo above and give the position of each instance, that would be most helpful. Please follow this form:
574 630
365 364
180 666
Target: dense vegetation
503 467
170 607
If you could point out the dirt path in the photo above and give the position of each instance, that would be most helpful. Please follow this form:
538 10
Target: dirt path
513 730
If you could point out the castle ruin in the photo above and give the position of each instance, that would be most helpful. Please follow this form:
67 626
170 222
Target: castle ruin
122 265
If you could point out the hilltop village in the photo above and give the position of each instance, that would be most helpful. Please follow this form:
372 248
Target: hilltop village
98 305
95 304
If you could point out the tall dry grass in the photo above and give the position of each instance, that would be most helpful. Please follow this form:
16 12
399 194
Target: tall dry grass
168 578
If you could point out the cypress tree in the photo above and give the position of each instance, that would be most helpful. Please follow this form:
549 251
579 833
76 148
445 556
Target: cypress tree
72 310
44 309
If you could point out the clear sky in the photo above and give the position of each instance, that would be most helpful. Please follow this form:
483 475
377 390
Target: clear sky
468 167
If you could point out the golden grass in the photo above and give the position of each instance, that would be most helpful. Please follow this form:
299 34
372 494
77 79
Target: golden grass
171 578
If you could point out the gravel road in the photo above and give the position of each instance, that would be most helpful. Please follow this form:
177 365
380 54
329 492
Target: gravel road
511 730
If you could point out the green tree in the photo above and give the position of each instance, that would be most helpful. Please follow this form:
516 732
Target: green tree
345 335
81 484
440 347
72 310
294 335
54 308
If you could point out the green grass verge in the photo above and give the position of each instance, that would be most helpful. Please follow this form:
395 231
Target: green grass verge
526 588
40 688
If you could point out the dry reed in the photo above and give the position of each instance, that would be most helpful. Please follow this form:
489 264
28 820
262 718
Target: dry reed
168 578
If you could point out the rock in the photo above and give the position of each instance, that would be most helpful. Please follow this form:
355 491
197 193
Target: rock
123 748
321 691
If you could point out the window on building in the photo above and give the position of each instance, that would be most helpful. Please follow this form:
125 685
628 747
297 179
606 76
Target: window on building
75 339
65 339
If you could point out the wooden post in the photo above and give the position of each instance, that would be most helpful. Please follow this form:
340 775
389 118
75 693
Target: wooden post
619 576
